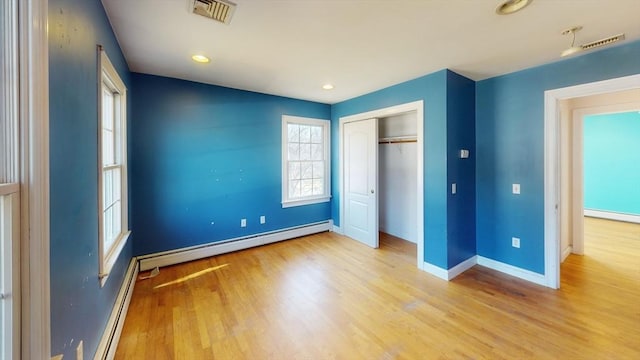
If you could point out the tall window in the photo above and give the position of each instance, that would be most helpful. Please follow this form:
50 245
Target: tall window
114 229
305 161
9 184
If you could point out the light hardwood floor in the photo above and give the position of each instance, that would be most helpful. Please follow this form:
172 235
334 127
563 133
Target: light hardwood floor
328 297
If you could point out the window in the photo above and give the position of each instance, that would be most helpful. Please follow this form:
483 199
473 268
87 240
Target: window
114 229
305 161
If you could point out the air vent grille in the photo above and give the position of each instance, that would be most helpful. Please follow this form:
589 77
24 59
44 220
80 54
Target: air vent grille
219 10
603 42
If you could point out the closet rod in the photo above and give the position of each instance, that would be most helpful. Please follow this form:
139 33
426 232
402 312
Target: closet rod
397 140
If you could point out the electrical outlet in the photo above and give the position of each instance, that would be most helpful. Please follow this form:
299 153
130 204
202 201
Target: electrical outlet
79 351
516 189
515 242
263 219
243 222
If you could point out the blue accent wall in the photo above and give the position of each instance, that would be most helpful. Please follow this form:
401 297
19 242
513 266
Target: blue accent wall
79 306
461 134
204 157
611 162
438 100
510 149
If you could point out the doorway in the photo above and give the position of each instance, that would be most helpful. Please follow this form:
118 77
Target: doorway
349 219
556 196
598 134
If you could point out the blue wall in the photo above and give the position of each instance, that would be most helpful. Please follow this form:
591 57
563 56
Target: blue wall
79 306
203 157
461 134
510 149
432 89
612 162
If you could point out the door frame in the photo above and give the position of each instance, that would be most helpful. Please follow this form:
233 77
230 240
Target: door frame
552 184
418 107
577 212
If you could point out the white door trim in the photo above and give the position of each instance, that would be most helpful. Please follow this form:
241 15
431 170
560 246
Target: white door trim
418 107
552 161
34 168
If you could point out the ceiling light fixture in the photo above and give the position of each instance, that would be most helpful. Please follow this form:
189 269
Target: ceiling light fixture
200 58
573 49
327 87
511 6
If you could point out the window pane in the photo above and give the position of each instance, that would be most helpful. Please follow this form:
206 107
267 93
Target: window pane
307 188
107 189
318 186
107 108
306 170
117 219
316 152
305 151
117 183
294 170
294 132
108 228
294 152
108 157
294 189
305 134
318 169
316 134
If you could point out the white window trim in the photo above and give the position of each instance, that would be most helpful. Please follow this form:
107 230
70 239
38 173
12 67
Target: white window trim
109 75
326 127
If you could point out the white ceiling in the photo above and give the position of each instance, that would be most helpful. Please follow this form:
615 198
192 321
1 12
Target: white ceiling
293 47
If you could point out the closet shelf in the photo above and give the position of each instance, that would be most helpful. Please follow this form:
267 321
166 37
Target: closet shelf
398 139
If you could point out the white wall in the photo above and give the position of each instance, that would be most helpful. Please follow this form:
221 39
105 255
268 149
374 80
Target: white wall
397 178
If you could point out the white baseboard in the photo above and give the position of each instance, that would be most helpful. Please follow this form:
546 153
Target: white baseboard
337 230
435 271
512 270
109 341
178 256
462 267
566 252
451 273
612 215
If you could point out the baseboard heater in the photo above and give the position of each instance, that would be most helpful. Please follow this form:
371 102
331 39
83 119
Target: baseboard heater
191 253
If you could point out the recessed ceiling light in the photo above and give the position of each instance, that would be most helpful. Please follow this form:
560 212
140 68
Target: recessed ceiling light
327 86
511 6
200 58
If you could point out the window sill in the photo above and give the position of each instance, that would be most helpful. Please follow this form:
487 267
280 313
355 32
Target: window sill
308 201
111 259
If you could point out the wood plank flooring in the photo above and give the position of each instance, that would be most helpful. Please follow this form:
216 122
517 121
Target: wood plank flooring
329 297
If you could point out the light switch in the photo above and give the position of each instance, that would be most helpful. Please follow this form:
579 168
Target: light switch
516 189
454 188
464 154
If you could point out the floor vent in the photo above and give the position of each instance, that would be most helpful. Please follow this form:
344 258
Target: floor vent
219 10
603 42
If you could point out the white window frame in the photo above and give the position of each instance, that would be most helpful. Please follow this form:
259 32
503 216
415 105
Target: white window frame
326 196
111 80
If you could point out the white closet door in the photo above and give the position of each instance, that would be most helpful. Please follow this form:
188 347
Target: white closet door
361 181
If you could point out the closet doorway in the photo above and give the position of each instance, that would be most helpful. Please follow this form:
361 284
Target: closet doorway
397 186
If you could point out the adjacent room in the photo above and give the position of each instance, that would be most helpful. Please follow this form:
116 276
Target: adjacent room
286 179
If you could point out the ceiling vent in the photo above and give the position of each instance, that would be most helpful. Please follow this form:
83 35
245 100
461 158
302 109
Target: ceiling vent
603 42
220 10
